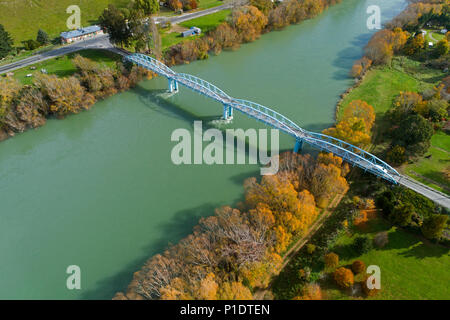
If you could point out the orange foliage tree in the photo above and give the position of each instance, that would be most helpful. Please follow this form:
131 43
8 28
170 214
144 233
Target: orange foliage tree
344 277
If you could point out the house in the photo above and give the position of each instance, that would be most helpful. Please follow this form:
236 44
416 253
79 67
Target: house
444 31
430 44
191 32
80 34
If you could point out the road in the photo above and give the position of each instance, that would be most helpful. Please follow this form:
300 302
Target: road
189 16
98 42
434 195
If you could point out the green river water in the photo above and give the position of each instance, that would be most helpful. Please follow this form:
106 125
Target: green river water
99 190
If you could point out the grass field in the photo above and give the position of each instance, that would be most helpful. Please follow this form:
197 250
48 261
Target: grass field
208 22
433 36
410 267
206 4
382 84
205 23
24 18
63 66
380 87
433 167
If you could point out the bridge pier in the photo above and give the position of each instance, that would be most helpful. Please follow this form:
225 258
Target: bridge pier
173 85
227 112
298 146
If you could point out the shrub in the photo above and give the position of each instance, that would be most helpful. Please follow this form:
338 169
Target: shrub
381 239
396 155
344 277
358 266
331 260
310 248
310 292
363 244
368 292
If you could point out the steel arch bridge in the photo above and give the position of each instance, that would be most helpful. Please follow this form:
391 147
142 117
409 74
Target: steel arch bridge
351 154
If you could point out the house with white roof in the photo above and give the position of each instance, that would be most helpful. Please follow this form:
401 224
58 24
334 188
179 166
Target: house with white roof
80 34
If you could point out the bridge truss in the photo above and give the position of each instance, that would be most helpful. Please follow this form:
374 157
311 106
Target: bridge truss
352 154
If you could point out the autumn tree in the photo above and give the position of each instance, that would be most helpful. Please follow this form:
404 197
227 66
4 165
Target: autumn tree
352 130
310 292
344 277
361 110
263 5
234 291
365 288
380 48
248 22
331 260
358 266
327 181
415 44
65 95
360 67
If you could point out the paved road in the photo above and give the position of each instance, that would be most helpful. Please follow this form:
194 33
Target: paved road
438 197
99 42
189 16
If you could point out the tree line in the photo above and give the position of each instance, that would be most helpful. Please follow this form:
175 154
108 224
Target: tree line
246 24
236 250
25 107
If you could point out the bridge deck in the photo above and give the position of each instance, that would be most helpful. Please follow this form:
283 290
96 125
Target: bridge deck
346 151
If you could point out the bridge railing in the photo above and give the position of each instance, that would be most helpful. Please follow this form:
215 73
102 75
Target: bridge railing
209 87
292 128
151 63
348 152
355 151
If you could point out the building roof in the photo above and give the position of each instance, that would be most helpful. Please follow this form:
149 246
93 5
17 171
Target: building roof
79 32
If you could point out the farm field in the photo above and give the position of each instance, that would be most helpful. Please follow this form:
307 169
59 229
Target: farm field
411 268
24 18
379 88
63 66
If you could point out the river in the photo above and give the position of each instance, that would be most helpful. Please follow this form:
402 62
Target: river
99 190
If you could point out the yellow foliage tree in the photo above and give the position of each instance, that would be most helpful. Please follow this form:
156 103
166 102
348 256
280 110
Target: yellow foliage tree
234 291
362 110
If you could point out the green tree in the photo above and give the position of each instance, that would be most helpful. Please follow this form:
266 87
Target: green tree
414 133
402 214
115 22
396 155
5 42
42 37
148 6
363 244
433 227
441 48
